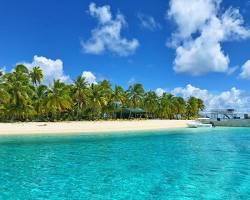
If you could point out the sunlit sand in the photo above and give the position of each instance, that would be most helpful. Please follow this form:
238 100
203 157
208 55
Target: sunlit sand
87 127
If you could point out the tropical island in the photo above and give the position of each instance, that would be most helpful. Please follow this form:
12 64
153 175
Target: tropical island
114 100
23 98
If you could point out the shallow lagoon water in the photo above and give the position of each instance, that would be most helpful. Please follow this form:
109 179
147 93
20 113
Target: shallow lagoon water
173 164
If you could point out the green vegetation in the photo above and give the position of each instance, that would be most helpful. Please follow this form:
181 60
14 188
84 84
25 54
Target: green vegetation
24 98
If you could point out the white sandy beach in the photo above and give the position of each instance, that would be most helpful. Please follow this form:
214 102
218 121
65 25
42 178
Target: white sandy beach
26 128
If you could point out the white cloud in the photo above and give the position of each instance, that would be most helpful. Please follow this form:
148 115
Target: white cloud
52 69
159 92
89 77
191 15
245 73
231 70
190 90
107 35
233 98
201 28
148 22
199 57
103 14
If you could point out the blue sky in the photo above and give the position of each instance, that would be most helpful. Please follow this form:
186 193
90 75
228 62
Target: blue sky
161 44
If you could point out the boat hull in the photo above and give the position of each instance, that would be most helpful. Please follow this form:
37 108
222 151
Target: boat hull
229 122
198 125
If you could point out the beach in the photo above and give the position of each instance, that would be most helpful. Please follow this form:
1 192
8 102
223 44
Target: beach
86 127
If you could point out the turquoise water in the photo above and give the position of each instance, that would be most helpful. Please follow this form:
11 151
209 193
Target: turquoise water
177 164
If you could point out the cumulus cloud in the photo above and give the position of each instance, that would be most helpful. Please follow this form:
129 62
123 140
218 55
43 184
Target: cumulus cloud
201 28
245 73
159 92
148 22
233 98
89 77
107 35
52 69
191 15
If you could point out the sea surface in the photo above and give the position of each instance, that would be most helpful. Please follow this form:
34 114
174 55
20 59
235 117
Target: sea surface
153 165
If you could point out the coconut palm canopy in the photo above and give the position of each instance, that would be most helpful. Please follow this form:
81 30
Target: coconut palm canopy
24 98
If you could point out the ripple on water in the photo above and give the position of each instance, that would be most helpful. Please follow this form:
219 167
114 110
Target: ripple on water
176 164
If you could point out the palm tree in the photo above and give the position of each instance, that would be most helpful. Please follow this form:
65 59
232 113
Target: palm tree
151 103
23 98
108 107
20 68
166 108
192 107
40 100
36 75
58 99
80 92
119 95
180 107
201 105
21 93
136 95
97 100
119 99
4 95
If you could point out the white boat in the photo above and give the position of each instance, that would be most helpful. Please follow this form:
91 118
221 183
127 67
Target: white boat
198 125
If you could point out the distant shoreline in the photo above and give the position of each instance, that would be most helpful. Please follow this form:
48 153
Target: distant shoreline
87 127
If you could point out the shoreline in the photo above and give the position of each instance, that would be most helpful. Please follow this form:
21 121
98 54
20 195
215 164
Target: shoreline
87 127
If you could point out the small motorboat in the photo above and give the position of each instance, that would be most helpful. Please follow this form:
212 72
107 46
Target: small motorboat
198 125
